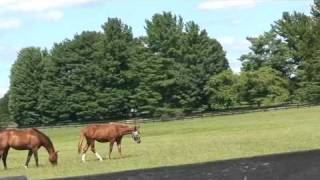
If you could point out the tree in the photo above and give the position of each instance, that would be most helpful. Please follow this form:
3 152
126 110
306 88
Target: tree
303 38
155 77
292 47
262 87
203 57
269 50
315 10
90 77
68 91
119 55
25 80
309 81
296 30
4 110
164 32
221 89
195 58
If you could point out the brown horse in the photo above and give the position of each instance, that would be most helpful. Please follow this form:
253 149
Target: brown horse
28 139
112 132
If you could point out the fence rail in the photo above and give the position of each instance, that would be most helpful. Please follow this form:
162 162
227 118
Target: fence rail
240 110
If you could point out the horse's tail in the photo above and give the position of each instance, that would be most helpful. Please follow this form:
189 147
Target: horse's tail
80 142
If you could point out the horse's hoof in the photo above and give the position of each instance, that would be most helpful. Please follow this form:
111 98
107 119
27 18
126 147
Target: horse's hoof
26 167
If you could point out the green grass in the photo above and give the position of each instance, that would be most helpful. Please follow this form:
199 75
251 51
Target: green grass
181 142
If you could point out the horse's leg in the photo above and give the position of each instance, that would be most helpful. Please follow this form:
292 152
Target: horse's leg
119 146
85 149
1 158
110 148
4 157
28 158
93 149
1 154
35 153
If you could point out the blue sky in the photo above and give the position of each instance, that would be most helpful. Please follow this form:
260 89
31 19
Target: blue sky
42 22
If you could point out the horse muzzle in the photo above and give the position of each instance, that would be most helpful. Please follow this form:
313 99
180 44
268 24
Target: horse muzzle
54 163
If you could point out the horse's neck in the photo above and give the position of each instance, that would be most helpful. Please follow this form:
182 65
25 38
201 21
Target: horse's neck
49 147
47 144
126 130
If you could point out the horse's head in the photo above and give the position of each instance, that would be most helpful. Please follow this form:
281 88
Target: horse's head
136 135
53 158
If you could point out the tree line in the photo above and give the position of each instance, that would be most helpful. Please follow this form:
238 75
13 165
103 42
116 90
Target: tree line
175 69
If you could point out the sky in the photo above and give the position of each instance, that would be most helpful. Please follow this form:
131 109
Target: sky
42 23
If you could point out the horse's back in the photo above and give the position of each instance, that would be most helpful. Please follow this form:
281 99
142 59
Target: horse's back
22 132
95 127
100 132
22 139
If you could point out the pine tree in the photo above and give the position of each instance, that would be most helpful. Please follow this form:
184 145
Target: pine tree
4 110
25 80
195 58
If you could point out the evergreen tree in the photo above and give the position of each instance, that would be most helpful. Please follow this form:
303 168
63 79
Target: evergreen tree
24 86
4 111
118 53
71 79
269 50
195 58
155 76
291 47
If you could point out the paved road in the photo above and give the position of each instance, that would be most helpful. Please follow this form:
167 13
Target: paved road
291 166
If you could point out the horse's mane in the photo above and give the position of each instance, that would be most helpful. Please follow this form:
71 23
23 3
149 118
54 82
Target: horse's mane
124 125
43 135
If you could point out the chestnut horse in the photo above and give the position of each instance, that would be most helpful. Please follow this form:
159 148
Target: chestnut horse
29 139
112 132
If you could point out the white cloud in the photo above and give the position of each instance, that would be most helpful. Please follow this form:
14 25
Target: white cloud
45 9
53 15
241 45
234 44
7 54
236 21
44 5
226 41
235 64
234 47
9 23
5 2
3 91
222 4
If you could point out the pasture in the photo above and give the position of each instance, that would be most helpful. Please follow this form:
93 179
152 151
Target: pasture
180 142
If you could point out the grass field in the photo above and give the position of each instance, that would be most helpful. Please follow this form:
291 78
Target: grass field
181 142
